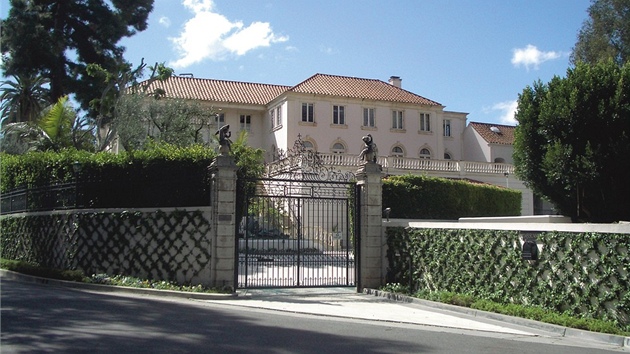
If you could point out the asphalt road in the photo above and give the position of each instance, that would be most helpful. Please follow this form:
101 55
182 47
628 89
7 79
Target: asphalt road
38 318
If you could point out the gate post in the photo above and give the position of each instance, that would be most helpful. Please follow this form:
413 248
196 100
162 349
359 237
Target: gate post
223 201
371 242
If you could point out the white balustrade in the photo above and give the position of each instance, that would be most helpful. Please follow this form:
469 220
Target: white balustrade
407 163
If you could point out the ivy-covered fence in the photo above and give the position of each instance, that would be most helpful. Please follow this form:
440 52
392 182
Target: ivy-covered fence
584 274
161 245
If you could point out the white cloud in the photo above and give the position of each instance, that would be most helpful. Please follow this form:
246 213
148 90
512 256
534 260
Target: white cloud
165 21
507 109
258 34
210 35
531 56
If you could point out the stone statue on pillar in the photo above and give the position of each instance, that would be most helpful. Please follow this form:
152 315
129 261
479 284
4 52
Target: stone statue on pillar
370 151
225 144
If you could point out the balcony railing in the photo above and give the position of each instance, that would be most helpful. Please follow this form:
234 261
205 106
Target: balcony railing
416 164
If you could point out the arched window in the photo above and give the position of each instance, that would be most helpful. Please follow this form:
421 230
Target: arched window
425 154
338 148
447 156
397 151
499 160
308 146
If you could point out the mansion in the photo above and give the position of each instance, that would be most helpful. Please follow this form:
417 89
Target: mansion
331 113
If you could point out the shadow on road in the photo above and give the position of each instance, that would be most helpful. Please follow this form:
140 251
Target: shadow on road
40 318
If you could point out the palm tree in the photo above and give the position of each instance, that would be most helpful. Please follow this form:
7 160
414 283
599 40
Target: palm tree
53 130
23 99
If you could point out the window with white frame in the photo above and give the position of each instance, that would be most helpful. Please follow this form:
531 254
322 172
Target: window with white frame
339 115
425 154
307 113
447 127
338 148
279 116
397 120
368 117
272 117
425 122
246 121
397 151
219 119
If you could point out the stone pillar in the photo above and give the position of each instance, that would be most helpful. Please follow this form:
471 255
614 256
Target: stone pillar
223 201
371 243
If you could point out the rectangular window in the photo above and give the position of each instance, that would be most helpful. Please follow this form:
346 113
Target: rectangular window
368 117
425 122
279 116
272 117
219 119
397 120
339 116
307 112
246 121
447 127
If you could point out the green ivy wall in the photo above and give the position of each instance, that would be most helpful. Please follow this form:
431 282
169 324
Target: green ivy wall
161 245
584 274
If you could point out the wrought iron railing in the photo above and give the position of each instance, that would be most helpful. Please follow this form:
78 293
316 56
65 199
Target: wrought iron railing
54 197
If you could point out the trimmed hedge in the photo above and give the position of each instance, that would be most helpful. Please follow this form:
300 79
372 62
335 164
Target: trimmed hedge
165 175
423 197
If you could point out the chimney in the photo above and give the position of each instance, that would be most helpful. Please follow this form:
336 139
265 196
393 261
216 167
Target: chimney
395 81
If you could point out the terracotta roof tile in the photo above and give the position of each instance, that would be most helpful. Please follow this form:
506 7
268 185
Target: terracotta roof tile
219 90
344 86
256 93
501 134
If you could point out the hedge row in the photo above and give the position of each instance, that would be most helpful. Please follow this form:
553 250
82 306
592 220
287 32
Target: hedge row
165 175
423 197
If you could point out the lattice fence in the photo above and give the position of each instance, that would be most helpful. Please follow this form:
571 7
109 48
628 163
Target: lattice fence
158 245
586 274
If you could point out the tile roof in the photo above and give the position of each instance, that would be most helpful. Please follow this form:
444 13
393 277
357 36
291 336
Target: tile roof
504 135
261 94
219 90
344 86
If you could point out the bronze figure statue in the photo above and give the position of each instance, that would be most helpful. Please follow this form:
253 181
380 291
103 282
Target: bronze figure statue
370 151
224 139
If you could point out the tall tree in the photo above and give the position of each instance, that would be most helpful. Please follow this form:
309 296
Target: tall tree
605 34
573 141
23 99
59 38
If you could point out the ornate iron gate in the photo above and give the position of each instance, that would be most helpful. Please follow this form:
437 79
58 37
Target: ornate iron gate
299 227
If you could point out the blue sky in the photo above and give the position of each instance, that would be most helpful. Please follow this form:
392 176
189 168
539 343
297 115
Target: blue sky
471 56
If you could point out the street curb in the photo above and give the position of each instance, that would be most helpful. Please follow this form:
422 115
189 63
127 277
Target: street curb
114 288
612 339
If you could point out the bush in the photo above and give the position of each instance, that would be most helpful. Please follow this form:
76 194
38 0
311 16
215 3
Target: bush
35 270
440 198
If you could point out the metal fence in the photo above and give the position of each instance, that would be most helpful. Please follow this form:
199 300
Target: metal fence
54 197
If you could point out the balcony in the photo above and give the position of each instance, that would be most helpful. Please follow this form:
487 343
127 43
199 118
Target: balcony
396 165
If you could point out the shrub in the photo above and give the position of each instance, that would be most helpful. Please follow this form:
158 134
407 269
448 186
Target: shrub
440 198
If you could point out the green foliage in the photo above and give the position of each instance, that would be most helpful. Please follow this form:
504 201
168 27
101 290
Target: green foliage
573 140
581 274
606 33
133 282
68 36
35 270
56 128
439 198
129 111
104 279
23 99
